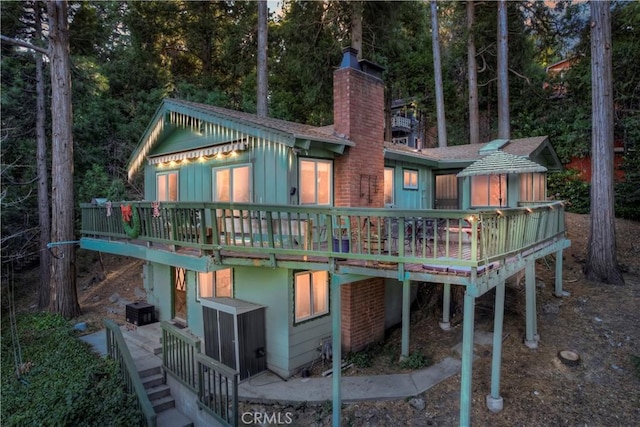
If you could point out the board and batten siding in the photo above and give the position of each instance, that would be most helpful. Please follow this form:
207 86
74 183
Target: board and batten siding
421 198
273 168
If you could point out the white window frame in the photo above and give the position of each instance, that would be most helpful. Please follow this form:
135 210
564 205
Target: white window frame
389 173
209 281
230 168
301 187
410 173
165 175
312 313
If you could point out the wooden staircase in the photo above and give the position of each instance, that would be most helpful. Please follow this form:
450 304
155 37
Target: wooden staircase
146 351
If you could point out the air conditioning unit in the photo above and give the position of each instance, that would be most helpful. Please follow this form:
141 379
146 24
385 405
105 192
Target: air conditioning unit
140 313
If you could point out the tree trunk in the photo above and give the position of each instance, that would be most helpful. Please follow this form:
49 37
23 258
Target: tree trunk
44 216
356 26
437 68
64 297
601 263
262 107
474 114
504 128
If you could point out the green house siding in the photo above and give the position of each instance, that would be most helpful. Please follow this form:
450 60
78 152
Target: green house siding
159 288
404 198
269 287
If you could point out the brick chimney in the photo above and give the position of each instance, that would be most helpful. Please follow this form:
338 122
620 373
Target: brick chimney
358 114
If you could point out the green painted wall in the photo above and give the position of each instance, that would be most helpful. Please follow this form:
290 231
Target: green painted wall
269 287
422 198
159 287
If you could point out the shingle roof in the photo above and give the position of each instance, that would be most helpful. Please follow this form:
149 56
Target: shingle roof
297 130
501 162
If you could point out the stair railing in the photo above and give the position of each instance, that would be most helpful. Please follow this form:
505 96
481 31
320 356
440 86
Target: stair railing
117 350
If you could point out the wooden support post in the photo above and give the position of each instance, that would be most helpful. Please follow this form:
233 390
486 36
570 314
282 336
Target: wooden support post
494 400
558 289
467 360
445 325
336 321
406 318
531 335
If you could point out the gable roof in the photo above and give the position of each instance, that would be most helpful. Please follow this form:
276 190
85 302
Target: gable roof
285 132
537 149
500 162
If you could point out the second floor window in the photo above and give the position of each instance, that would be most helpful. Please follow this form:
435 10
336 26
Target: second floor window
167 186
388 186
488 190
315 182
532 187
232 184
410 179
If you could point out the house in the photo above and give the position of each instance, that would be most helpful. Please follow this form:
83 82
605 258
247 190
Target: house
277 243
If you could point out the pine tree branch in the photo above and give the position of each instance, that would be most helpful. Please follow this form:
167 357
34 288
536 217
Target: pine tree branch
20 43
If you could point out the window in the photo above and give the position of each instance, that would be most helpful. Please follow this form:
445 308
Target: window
315 182
232 184
488 190
410 179
167 186
533 187
216 284
388 186
311 295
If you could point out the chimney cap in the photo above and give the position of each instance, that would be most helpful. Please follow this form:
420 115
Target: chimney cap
350 58
371 68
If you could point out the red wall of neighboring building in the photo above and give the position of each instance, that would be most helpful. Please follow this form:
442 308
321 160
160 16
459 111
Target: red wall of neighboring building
583 166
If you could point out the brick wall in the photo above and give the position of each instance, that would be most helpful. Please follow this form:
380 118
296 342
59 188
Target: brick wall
359 115
358 103
362 313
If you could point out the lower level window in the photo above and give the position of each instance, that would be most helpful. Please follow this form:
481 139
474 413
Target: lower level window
311 295
216 284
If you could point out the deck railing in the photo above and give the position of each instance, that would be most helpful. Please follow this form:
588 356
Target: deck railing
218 390
215 384
450 237
117 349
179 351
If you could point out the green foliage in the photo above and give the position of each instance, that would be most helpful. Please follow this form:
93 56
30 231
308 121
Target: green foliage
96 183
361 359
62 383
568 186
416 360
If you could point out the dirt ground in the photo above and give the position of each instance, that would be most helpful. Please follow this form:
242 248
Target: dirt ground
599 322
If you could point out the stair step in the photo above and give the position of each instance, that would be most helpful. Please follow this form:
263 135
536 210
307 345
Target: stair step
173 418
134 338
152 381
158 391
163 403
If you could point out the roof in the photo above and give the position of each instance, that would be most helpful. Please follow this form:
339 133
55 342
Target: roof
282 131
501 162
536 148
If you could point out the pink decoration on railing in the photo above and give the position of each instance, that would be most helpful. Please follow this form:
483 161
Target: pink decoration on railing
108 205
156 209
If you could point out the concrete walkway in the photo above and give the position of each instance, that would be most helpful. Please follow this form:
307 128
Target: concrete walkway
268 388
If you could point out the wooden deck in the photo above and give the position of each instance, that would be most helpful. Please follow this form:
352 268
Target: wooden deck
456 247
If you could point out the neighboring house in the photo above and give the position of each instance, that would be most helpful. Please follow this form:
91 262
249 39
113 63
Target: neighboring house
556 76
244 217
405 125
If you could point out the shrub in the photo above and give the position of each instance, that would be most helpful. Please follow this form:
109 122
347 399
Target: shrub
62 382
416 360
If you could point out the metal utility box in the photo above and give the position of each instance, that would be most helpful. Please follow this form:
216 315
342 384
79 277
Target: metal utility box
234 334
140 313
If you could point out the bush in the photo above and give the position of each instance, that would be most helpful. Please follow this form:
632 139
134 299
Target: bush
416 360
62 382
568 186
